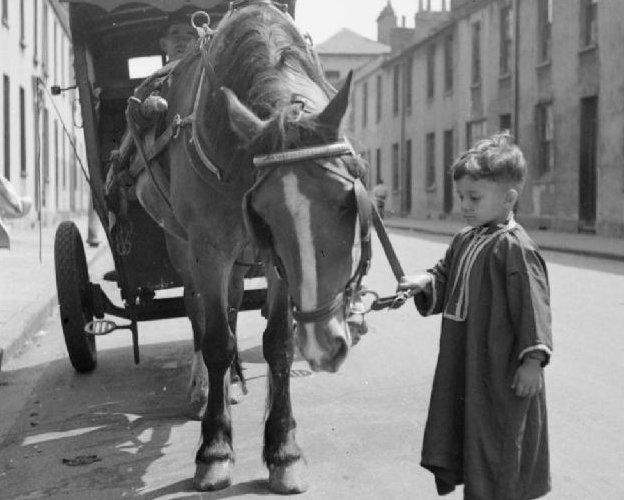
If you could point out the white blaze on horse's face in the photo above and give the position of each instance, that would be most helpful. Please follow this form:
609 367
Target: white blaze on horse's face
315 239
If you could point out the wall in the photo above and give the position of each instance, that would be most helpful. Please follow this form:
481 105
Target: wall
23 61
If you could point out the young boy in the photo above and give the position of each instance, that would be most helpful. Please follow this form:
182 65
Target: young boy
487 425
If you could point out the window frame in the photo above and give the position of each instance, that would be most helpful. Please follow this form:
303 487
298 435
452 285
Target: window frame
589 23
544 26
475 65
430 158
545 130
396 84
431 50
449 61
378 106
506 37
395 167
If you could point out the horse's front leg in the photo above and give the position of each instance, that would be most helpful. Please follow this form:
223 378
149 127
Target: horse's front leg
283 457
215 457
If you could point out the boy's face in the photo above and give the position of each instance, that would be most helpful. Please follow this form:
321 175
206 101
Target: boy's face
484 201
177 39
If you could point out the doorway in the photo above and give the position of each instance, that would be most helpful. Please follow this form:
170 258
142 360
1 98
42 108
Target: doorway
448 176
407 185
587 164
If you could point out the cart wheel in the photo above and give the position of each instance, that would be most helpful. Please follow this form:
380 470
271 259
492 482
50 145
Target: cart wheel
73 289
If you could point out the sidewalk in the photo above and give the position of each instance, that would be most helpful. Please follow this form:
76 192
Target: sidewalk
28 286
579 244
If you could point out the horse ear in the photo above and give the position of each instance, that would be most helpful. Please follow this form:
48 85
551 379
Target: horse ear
335 110
244 123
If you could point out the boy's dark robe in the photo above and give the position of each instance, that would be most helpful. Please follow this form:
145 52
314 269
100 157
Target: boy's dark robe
492 287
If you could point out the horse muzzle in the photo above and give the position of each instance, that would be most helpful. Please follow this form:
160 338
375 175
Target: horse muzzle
324 345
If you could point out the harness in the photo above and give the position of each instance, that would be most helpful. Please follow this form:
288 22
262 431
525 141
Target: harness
266 164
319 155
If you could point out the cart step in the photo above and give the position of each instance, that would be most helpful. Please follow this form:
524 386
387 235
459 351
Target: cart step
101 327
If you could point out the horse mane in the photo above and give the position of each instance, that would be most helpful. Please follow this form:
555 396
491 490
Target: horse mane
292 127
260 54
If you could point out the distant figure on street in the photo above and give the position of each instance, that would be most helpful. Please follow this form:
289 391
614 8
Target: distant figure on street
380 193
12 206
487 424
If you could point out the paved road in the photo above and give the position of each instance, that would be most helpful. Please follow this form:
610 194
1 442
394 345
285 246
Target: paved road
361 429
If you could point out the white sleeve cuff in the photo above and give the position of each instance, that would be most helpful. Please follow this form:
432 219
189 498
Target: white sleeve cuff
537 347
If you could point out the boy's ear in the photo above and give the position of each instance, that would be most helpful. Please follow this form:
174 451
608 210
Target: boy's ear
511 197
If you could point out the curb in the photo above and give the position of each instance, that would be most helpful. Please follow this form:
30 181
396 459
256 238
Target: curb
35 318
542 245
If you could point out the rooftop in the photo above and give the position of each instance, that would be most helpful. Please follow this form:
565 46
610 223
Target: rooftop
347 41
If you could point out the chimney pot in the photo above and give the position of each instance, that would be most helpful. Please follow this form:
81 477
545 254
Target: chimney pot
428 5
420 5
403 22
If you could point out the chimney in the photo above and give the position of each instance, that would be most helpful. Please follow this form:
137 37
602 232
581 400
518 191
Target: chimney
420 5
403 22
443 5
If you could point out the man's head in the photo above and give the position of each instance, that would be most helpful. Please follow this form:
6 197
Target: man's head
176 39
489 178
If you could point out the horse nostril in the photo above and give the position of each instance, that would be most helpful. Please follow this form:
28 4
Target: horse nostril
339 349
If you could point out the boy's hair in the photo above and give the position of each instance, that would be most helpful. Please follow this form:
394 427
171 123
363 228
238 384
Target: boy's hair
496 158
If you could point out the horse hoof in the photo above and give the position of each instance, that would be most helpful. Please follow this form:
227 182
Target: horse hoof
288 479
237 392
214 476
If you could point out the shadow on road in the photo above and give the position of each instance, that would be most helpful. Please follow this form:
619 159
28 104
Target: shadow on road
129 419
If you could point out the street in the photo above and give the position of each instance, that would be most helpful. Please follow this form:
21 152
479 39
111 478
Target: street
360 429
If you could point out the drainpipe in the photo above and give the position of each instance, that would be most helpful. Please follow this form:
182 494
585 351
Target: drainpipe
516 76
402 156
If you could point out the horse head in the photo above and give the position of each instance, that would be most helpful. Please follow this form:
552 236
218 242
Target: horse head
308 210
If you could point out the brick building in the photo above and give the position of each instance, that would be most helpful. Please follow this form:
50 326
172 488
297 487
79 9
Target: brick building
559 86
38 131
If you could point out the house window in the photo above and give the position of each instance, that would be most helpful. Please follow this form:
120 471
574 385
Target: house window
5 12
56 163
378 99
589 22
395 167
395 89
54 53
21 25
408 83
45 150
475 131
544 16
44 39
430 177
35 30
504 122
476 53
22 126
6 112
364 104
546 134
430 71
505 38
378 164
448 63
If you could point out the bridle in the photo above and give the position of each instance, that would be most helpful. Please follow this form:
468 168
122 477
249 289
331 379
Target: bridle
320 155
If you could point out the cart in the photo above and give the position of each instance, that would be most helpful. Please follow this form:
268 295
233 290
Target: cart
108 35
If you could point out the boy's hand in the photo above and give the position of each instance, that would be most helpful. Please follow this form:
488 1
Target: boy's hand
415 283
528 380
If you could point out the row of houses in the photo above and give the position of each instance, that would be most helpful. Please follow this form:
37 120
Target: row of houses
41 143
548 70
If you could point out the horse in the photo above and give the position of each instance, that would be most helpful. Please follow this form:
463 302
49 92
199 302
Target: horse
257 89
